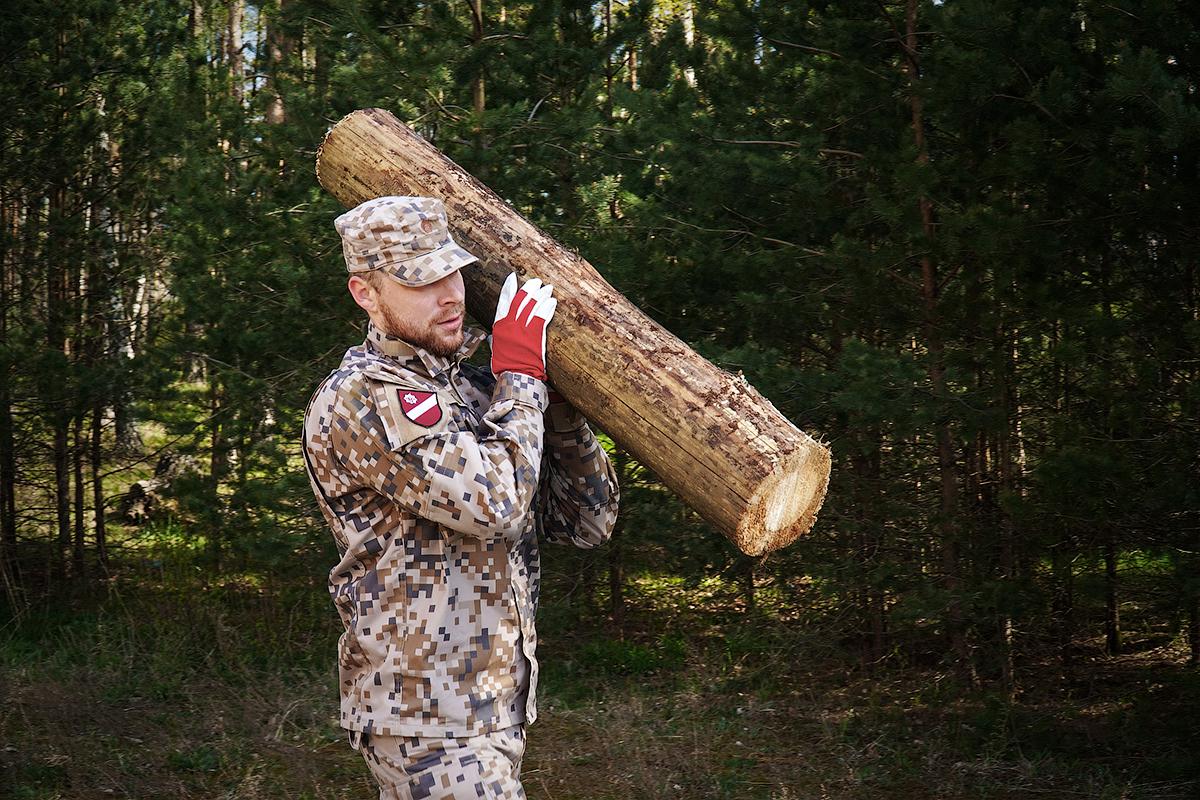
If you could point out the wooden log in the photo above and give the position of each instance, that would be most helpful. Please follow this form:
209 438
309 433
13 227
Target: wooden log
709 435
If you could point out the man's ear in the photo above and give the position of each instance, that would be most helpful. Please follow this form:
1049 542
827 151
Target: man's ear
363 293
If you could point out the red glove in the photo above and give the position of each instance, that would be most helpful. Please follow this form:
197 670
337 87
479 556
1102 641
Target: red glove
519 333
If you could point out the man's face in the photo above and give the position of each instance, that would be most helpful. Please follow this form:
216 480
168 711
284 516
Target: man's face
429 317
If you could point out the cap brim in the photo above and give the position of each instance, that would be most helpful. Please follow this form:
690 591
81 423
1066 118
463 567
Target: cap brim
431 267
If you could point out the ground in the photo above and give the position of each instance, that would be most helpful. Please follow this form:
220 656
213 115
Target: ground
163 687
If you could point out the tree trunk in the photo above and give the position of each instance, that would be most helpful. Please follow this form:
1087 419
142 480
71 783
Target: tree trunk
78 564
1011 481
708 435
1112 618
217 467
1063 604
1194 629
100 351
1112 612
233 47
870 540
588 580
280 47
616 560
947 468
688 19
98 487
478 96
56 396
748 569
8 458
9 575
616 576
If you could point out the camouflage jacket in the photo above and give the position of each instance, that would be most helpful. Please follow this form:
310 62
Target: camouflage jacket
434 480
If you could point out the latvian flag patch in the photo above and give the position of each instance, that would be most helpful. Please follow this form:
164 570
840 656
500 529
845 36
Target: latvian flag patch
421 407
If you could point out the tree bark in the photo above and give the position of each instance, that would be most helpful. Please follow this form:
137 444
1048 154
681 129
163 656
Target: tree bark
280 47
78 563
866 463
708 434
8 458
233 48
616 560
947 467
478 90
217 467
1112 611
56 396
747 570
687 18
98 487
1063 603
616 576
1194 629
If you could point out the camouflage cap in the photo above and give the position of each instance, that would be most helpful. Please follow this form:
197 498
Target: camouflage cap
406 237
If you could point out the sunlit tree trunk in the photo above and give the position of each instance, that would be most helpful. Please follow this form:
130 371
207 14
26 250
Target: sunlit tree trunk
688 20
280 48
218 466
101 323
9 569
78 549
97 473
233 47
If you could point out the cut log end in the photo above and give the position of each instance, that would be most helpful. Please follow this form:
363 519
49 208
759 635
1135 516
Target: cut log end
785 505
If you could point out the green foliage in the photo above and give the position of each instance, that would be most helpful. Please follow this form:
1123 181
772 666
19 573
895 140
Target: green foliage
1008 383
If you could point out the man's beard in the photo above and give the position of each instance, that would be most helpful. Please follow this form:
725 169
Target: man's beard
431 337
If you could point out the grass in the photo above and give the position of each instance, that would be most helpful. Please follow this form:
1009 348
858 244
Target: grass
173 686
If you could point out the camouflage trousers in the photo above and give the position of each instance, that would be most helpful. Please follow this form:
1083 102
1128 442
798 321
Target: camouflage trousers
486 767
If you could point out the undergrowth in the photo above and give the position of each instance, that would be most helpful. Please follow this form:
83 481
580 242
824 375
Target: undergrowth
171 686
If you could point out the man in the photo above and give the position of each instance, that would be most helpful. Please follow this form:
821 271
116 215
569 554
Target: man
437 479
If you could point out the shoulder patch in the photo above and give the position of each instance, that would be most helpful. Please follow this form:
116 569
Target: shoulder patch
408 413
422 408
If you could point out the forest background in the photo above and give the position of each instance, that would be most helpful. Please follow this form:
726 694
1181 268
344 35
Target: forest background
955 239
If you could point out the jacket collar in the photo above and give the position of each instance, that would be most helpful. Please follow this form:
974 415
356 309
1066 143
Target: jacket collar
419 359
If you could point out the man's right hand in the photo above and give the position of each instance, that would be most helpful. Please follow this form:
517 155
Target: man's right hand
519 333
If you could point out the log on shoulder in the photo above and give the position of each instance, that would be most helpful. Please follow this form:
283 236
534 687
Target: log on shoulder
709 435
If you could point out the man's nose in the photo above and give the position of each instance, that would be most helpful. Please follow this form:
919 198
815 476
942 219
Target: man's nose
452 291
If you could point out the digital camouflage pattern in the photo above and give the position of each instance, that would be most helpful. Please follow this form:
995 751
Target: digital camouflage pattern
437 519
487 766
406 237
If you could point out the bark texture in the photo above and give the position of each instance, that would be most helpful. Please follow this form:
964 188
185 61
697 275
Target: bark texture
709 435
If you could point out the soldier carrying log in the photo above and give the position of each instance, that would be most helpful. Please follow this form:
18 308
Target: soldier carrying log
437 479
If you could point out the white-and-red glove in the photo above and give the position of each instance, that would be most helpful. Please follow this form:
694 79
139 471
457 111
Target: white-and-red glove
519 333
